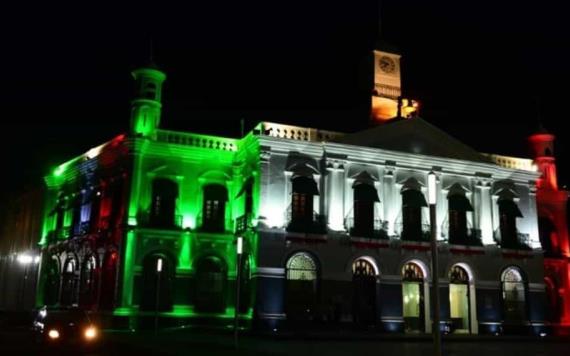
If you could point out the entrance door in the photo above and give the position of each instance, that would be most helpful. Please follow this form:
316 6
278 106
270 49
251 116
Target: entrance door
364 292
413 298
459 300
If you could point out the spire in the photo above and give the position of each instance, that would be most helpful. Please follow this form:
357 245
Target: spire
149 60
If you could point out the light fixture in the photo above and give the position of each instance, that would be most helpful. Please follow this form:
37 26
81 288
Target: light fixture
25 259
432 193
239 245
90 333
53 334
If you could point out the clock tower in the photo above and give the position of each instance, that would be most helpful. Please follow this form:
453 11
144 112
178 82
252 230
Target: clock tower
387 85
387 91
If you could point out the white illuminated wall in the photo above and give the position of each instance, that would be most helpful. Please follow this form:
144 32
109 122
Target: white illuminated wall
338 164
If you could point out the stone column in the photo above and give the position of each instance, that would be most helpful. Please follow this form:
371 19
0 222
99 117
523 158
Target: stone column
533 225
335 195
483 210
389 198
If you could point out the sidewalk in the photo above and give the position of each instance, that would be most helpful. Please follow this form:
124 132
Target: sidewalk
210 343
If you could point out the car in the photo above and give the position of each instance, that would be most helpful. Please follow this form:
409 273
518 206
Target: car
66 327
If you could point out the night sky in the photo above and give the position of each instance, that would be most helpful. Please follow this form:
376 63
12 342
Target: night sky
484 71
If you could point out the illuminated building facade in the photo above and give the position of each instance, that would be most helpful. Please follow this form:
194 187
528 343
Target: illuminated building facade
335 228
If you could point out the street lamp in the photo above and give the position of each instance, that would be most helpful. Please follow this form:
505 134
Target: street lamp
239 251
432 197
26 259
156 301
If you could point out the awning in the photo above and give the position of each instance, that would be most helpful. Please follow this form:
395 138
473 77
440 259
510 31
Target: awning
509 207
305 185
365 192
413 198
459 203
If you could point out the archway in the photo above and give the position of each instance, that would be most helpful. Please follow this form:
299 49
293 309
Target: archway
158 278
69 284
52 282
108 280
211 277
301 287
364 274
88 282
514 295
413 279
459 300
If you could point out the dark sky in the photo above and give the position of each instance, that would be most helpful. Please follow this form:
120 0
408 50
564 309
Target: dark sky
479 69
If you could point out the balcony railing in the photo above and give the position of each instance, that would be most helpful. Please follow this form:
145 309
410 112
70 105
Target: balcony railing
379 230
315 224
469 237
419 233
213 226
242 223
63 232
520 242
146 220
196 140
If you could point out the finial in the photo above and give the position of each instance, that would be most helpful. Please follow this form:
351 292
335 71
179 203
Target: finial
541 128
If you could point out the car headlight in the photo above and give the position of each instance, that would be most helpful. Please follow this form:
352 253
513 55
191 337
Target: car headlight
53 334
90 333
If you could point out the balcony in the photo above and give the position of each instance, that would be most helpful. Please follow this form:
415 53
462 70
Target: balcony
213 226
242 223
63 233
519 242
469 237
316 224
418 233
379 230
163 223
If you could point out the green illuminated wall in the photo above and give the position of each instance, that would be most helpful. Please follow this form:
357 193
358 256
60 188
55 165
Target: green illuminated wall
192 161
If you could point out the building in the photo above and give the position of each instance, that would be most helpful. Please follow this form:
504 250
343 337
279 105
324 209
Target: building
19 251
335 227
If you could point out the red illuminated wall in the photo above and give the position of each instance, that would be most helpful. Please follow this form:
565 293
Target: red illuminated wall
551 204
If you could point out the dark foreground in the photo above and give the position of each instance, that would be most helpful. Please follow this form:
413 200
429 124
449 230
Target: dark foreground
193 342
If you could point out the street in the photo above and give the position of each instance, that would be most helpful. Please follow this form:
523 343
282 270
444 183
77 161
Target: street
193 342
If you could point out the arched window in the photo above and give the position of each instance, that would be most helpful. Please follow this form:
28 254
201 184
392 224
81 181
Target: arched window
413 297
413 201
158 279
514 295
214 208
88 282
302 200
301 287
163 208
459 302
364 291
150 91
210 287
69 284
52 281
364 197
108 280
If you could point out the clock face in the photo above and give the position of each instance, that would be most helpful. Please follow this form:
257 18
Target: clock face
387 64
